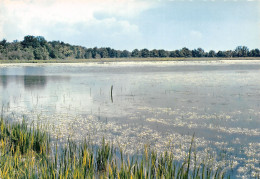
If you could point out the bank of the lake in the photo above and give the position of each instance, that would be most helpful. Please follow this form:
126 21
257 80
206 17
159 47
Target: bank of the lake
100 60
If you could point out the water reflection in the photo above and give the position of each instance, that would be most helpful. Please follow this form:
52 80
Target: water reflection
3 81
32 78
3 78
29 82
33 82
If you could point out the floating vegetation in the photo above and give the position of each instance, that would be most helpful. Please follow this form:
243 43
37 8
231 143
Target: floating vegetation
28 153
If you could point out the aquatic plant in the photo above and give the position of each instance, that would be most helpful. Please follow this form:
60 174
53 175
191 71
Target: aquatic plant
27 153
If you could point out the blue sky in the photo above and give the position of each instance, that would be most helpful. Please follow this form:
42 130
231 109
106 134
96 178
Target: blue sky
129 24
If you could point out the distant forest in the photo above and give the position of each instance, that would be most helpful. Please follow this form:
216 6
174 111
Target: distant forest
38 48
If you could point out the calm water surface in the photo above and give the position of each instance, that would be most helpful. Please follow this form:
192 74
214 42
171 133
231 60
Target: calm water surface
161 104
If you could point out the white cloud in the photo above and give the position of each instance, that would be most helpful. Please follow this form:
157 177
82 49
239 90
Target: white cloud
22 17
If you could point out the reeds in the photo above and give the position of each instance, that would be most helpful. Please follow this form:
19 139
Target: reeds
27 153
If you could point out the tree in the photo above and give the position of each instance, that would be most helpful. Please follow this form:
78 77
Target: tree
125 54
173 54
220 54
27 54
135 53
113 53
3 43
3 47
154 53
30 41
186 52
15 46
118 53
162 53
38 48
97 56
2 57
103 53
199 52
94 52
254 53
145 53
54 53
241 51
179 53
212 53
80 54
228 53
41 53
67 51
41 40
88 54
14 55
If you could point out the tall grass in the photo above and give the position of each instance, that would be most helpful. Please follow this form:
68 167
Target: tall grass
27 153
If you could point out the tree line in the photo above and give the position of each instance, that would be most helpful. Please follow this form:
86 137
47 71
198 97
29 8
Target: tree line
40 49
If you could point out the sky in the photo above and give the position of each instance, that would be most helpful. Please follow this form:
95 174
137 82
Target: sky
130 24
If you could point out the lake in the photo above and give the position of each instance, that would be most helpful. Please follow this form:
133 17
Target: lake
161 104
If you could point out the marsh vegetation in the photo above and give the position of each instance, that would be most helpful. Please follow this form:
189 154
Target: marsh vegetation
30 153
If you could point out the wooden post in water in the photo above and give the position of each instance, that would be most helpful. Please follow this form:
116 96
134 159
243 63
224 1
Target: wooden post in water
111 93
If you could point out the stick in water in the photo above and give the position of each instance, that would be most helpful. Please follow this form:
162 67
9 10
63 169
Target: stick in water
112 93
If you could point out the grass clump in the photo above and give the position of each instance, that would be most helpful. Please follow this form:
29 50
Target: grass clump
20 149
27 153
18 137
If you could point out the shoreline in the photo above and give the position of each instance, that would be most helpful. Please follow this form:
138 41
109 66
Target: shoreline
103 60
137 62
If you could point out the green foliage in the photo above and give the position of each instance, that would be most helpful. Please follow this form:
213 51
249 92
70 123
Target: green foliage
41 53
125 54
31 41
14 55
241 51
145 53
199 52
173 54
186 52
88 55
212 53
26 153
37 48
3 43
2 57
18 137
154 53
103 52
163 53
135 53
